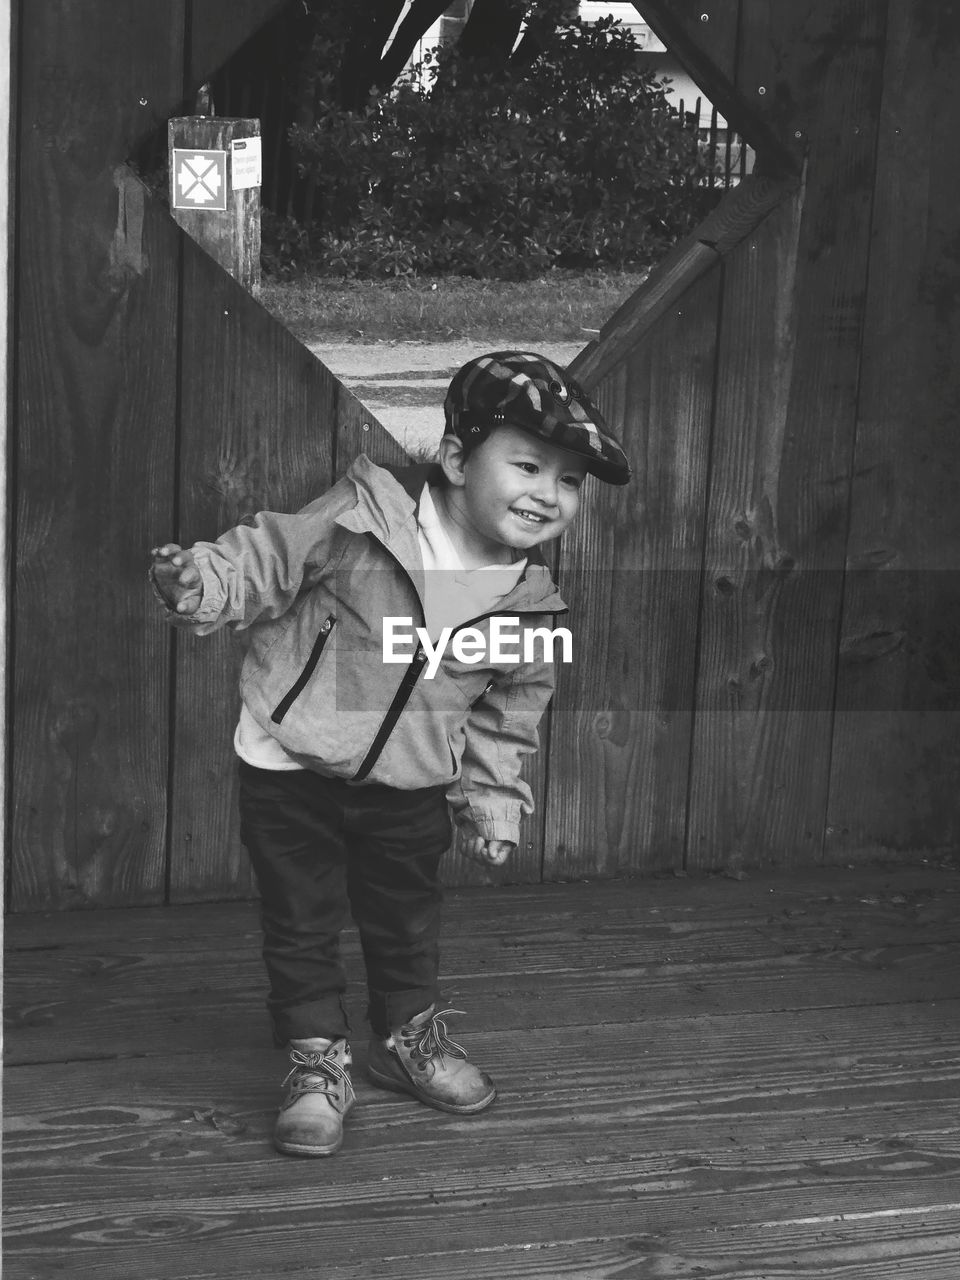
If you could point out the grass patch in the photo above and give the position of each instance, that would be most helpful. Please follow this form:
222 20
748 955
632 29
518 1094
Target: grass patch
562 307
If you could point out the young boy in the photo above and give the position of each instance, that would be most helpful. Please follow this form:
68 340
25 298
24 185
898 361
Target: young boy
382 687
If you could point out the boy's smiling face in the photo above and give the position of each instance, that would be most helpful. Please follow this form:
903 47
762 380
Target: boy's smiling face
513 492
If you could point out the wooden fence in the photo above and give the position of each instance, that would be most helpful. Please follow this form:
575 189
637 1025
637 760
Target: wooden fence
767 619
776 669
155 398
729 158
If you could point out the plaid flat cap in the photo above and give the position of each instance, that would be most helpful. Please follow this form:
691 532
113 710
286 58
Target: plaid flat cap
520 389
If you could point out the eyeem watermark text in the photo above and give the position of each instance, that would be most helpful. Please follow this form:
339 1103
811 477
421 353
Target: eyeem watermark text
505 643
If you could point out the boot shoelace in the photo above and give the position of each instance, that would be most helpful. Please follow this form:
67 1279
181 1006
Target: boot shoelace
314 1073
432 1040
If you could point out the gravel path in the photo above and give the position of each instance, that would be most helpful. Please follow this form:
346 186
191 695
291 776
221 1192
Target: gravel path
404 383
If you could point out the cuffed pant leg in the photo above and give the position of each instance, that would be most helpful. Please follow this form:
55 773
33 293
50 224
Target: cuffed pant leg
293 831
396 841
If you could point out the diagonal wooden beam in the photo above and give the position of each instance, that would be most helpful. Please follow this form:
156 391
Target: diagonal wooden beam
216 34
705 36
738 214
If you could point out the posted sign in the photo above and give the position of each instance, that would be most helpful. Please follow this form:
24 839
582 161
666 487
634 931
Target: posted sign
246 167
199 179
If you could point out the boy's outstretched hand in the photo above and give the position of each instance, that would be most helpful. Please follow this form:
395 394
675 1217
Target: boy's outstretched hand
177 577
491 853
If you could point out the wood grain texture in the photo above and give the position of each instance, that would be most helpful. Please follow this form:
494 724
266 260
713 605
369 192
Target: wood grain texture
94 352
897 732
620 731
218 1008
734 1142
713 952
710 41
884 1246
790 347
787 54
215 34
231 236
262 420
670 906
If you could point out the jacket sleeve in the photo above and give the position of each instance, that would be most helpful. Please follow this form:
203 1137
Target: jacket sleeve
502 728
257 571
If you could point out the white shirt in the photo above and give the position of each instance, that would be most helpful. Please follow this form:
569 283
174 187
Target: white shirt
452 594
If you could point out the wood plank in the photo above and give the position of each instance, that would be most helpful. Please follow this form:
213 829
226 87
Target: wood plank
776 1079
213 38
712 51
748 566
752 1101
196 1235
893 780
358 431
100 1015
555 944
92 461
879 1246
786 52
792 312
717 1140
868 900
263 427
35 976
830 1247
620 729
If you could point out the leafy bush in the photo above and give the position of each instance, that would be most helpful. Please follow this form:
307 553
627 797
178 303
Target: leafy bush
574 161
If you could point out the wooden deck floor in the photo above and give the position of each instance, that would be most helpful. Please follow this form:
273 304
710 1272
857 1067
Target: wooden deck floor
740 1080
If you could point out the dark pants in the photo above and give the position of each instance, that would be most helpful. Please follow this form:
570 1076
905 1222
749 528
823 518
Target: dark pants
323 850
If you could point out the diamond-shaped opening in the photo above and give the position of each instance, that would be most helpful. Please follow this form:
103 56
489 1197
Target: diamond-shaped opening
266 79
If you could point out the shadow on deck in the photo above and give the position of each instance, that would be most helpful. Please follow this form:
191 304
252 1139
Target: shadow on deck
720 1078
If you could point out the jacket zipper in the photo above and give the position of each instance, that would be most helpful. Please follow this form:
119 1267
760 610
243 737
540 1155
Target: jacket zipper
408 683
404 692
318 645
410 678
400 700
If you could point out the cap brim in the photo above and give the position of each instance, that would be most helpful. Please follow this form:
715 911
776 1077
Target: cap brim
610 472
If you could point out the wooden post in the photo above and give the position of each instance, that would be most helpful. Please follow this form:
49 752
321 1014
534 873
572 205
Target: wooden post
6 356
215 189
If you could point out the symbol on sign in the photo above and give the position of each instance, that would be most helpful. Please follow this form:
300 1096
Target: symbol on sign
201 180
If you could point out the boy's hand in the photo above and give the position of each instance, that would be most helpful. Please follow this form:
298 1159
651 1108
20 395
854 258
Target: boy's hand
177 577
490 853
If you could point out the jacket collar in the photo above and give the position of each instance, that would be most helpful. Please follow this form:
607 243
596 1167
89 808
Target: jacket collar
388 499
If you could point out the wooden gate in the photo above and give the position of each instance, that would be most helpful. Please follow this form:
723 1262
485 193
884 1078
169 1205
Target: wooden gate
767 620
775 603
154 396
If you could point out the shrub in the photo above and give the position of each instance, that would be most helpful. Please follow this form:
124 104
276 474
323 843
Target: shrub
574 161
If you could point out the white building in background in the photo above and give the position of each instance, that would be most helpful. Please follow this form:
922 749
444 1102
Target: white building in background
681 90
728 156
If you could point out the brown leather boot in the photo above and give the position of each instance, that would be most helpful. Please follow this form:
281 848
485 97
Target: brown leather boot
420 1059
319 1094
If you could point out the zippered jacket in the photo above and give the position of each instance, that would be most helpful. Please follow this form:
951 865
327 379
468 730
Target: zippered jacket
310 591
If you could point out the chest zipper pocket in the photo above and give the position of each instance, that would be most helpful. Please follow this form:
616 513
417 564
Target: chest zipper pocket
323 635
480 697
